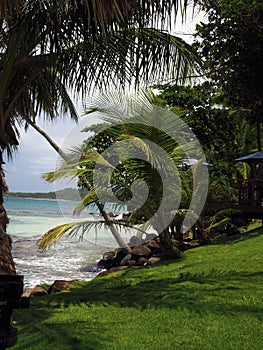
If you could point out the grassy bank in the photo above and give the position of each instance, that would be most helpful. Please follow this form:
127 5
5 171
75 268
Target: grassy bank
211 299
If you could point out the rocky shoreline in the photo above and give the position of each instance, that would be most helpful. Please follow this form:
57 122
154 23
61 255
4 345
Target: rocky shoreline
142 252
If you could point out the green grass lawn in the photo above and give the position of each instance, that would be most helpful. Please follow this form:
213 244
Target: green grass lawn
210 299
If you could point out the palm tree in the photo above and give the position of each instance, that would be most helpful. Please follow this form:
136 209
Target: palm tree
49 47
27 86
148 147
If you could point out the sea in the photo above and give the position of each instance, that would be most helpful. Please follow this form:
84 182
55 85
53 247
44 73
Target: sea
69 258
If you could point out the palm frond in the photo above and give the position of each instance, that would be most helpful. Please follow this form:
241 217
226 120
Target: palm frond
80 228
140 56
57 232
91 197
226 213
243 169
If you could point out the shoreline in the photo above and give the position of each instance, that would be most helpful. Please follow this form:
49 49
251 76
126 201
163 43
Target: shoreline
42 198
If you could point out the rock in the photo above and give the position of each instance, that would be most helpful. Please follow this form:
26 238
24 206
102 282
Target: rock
109 255
141 250
154 246
121 254
125 260
37 291
59 286
150 236
134 241
142 261
132 262
27 292
112 259
105 264
153 260
107 260
113 269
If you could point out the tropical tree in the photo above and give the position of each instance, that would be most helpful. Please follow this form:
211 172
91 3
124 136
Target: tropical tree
214 123
49 47
140 165
27 87
231 44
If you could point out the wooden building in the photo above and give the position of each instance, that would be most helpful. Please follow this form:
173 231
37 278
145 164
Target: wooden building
250 191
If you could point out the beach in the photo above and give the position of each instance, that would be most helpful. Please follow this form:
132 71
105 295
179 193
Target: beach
69 258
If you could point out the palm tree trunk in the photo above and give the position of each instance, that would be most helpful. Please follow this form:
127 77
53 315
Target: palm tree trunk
86 184
7 265
259 133
169 251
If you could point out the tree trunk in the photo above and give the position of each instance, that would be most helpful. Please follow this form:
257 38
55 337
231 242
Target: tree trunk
169 251
115 233
7 265
259 134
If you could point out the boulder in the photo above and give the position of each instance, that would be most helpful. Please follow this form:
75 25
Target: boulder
153 260
113 269
154 246
37 291
59 286
132 262
121 254
142 261
134 241
105 264
109 255
125 260
150 236
141 250
107 260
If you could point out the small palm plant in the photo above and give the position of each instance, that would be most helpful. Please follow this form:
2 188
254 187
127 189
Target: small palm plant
134 158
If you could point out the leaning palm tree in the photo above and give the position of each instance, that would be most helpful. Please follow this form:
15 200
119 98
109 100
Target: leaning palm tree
50 47
47 49
145 149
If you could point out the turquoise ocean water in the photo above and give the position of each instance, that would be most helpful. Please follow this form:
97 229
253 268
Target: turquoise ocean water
69 258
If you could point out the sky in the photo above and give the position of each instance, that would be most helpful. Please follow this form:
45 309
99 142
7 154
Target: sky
35 156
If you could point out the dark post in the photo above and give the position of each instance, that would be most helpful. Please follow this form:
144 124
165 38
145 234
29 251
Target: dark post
11 290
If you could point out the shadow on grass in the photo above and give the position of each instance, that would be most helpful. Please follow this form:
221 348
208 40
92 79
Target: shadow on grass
212 292
68 320
57 319
223 239
46 332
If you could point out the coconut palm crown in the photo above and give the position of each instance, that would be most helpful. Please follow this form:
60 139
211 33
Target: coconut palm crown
140 165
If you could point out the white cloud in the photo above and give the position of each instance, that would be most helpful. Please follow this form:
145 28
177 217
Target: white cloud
35 156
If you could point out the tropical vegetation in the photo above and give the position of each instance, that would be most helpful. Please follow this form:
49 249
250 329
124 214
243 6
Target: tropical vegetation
50 48
67 194
145 146
214 113
230 44
214 123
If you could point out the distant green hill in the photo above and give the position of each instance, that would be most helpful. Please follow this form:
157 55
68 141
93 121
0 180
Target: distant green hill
67 194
